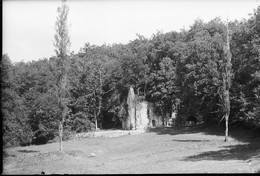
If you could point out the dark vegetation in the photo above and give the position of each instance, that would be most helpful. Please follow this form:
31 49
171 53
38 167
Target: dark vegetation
176 71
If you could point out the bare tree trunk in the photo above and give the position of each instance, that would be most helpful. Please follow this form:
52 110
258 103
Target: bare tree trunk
100 94
61 84
226 131
228 77
145 90
95 116
63 101
60 134
164 117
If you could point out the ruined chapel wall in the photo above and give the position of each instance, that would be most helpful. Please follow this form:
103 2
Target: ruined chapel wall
153 116
140 114
142 120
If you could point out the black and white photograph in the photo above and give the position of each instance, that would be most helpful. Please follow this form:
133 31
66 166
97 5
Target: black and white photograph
130 87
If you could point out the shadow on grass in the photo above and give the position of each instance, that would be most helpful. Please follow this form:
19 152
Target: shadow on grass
27 151
177 140
250 149
237 152
186 130
6 154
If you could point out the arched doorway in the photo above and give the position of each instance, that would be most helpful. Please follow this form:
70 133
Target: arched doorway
153 123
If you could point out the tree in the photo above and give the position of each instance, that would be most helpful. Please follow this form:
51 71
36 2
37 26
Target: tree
62 44
163 89
199 71
16 130
161 58
245 62
189 71
90 75
226 82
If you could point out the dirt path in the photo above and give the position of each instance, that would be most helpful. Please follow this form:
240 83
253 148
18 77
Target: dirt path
161 150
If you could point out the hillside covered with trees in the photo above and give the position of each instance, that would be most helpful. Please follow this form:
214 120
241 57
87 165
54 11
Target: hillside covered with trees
176 71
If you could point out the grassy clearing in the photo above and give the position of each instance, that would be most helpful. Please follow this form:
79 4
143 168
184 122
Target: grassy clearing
159 150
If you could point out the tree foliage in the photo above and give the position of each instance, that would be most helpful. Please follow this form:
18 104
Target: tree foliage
176 71
16 129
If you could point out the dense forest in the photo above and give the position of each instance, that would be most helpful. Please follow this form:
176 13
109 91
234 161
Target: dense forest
176 71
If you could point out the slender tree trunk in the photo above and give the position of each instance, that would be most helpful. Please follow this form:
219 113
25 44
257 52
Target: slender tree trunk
226 131
100 94
95 115
164 116
145 90
60 85
135 104
61 44
60 134
60 107
226 83
63 101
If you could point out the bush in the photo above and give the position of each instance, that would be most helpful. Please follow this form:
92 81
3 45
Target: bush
81 123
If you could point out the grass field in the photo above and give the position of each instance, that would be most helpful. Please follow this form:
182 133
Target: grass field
159 150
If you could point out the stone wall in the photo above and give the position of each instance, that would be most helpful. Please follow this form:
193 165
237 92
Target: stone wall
145 117
154 120
131 109
140 114
142 120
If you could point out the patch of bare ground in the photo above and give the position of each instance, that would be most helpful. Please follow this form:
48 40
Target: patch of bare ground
159 150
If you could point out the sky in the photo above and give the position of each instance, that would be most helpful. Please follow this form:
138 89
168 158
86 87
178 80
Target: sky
29 25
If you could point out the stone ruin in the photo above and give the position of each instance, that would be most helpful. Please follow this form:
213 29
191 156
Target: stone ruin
140 114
